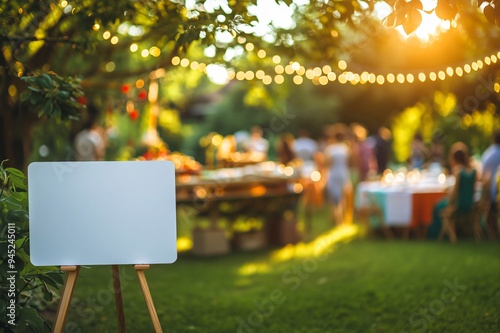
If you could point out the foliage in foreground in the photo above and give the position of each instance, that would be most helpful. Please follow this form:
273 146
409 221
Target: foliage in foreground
25 289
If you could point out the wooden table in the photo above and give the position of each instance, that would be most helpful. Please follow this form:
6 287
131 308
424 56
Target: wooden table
272 198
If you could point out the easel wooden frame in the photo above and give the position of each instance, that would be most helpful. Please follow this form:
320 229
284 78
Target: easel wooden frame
69 285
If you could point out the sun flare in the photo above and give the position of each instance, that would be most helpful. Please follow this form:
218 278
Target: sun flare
431 26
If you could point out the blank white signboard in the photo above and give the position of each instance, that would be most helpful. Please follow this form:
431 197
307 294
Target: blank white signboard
102 213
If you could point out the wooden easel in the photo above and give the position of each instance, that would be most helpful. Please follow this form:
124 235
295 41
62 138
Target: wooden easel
69 285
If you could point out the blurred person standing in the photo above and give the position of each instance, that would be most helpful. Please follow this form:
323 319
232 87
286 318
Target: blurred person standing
437 150
307 150
256 143
364 159
382 149
284 148
490 163
225 151
337 155
419 152
304 147
90 142
241 137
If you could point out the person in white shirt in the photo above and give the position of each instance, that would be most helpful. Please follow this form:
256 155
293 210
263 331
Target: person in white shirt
490 165
257 144
304 147
90 142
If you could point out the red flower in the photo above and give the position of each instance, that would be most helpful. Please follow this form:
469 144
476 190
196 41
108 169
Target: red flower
142 95
134 114
125 88
149 155
82 100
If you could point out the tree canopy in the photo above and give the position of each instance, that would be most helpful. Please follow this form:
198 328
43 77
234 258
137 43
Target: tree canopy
105 43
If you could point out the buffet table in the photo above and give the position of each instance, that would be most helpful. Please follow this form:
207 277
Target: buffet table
232 193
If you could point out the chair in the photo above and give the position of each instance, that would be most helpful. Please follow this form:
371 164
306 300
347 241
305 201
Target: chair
450 219
448 226
483 212
364 214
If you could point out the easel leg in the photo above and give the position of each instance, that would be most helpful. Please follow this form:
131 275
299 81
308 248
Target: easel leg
118 299
69 285
147 296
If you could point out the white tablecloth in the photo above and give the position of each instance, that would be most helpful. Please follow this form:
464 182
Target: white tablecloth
396 202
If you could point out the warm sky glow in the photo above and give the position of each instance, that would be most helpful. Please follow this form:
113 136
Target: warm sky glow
431 26
280 15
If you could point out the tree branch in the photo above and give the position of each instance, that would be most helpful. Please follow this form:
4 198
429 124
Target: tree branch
30 39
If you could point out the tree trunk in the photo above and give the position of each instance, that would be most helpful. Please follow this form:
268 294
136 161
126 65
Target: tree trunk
16 125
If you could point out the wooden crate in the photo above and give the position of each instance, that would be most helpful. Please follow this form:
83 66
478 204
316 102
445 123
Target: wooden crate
208 242
252 240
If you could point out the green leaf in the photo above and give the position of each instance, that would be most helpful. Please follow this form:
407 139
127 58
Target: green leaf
489 13
390 20
62 94
3 247
399 4
416 4
26 247
37 98
56 276
47 107
47 80
50 280
19 263
413 21
3 308
444 10
4 266
57 111
3 218
16 216
19 198
15 172
17 178
41 83
30 316
47 294
35 89
25 96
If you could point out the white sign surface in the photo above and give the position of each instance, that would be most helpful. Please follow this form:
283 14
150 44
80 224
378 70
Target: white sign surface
102 213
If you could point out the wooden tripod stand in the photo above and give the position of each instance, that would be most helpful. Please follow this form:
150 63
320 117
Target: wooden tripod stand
69 285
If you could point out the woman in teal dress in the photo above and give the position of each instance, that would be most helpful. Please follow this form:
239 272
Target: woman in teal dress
460 199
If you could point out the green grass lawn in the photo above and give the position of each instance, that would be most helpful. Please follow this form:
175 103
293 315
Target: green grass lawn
355 285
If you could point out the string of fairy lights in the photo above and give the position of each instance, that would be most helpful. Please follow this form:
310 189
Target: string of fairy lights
319 75
339 73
